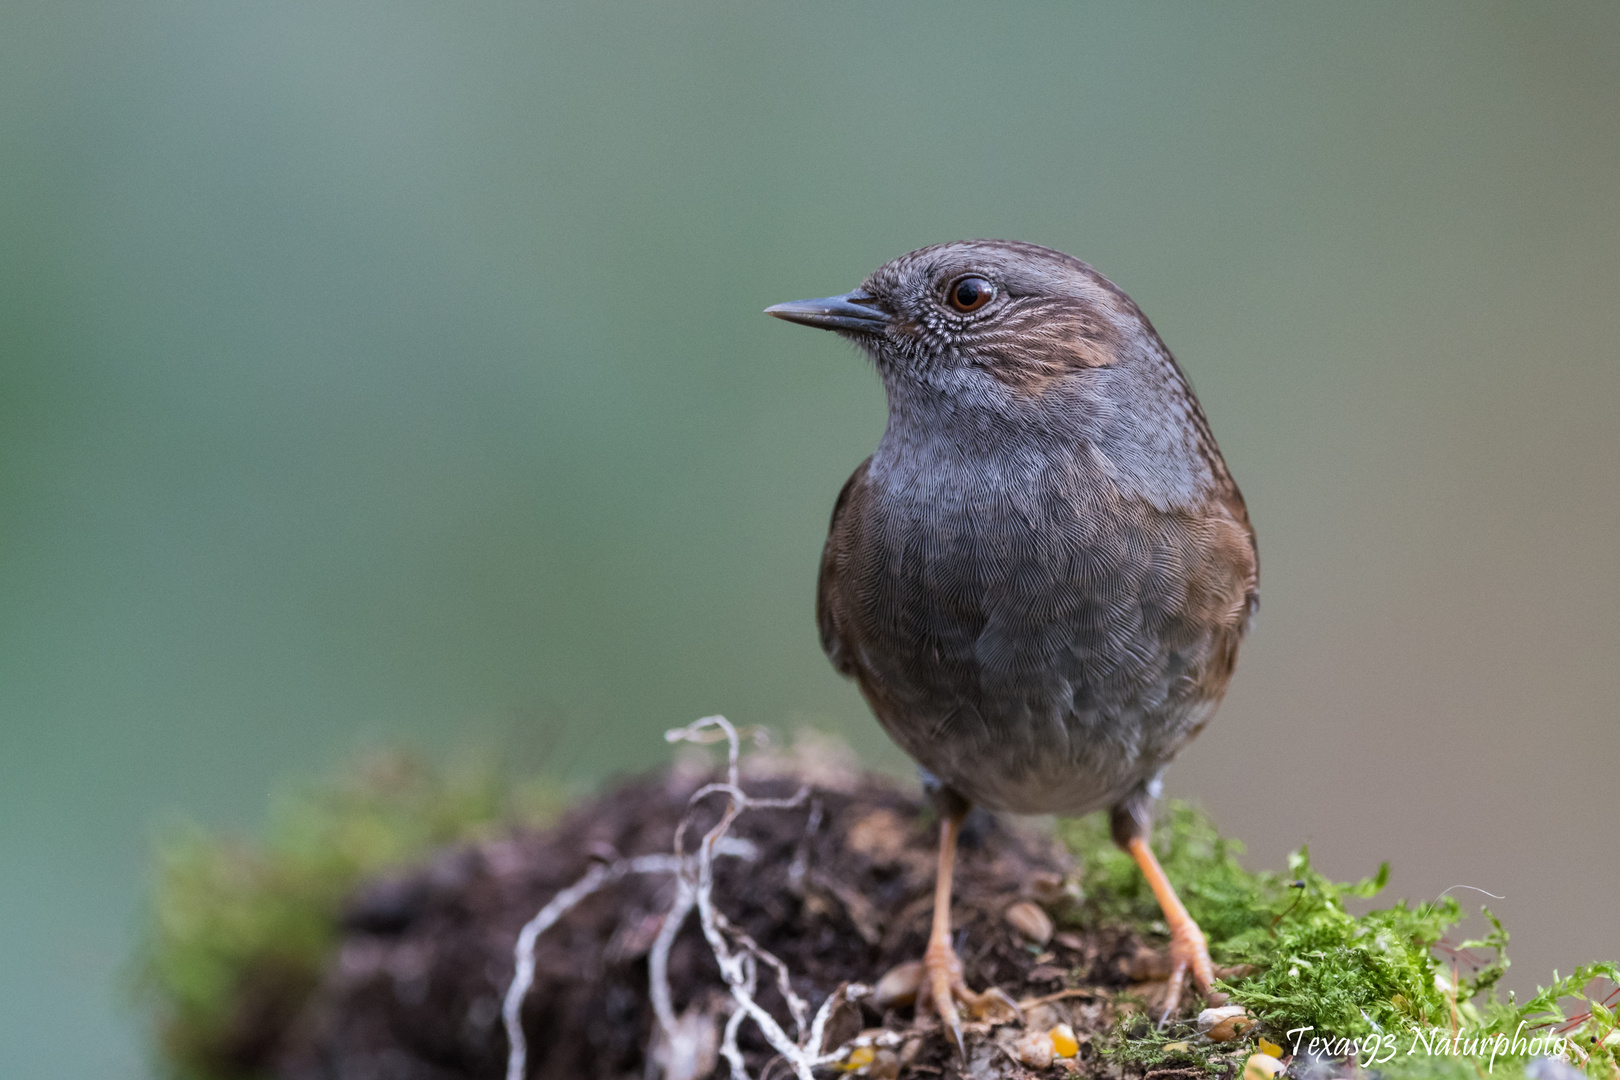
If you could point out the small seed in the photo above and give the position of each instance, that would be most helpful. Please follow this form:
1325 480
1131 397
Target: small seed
859 1058
1064 1044
1035 1049
1261 1067
1028 919
1224 1024
899 985
1230 1028
1210 1017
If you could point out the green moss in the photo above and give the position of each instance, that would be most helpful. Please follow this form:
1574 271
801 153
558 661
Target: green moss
238 930
1136 1041
1312 965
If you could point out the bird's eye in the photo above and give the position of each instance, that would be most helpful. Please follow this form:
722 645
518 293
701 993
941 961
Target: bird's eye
970 293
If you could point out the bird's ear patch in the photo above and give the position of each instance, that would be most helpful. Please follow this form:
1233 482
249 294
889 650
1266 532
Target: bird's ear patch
1041 346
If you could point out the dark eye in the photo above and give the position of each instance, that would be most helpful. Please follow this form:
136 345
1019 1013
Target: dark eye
970 293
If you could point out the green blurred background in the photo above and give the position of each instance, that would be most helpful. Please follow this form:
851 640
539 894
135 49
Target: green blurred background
376 373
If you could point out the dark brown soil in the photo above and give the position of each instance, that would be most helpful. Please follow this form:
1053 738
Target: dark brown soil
415 991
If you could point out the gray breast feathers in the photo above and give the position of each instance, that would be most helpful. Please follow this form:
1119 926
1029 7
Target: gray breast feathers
1040 642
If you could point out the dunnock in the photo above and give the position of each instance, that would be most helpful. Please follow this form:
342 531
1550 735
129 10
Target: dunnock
1040 579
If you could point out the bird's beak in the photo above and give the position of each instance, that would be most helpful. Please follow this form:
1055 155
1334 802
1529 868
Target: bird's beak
854 311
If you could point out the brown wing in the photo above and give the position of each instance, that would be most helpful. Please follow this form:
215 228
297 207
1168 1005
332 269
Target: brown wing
1244 550
1222 592
831 617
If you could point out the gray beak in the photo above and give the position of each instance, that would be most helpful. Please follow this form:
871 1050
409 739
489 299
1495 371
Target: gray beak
856 312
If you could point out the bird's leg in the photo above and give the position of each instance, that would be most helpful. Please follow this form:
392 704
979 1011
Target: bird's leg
943 985
1188 950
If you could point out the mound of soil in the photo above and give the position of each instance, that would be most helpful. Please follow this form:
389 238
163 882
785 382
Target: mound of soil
839 887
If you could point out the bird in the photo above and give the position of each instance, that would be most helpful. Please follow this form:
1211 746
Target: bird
1040 578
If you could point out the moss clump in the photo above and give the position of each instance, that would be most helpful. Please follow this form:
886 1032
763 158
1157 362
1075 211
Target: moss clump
1136 1044
1309 964
238 930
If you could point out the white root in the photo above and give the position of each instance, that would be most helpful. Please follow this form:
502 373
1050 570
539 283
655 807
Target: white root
736 953
560 905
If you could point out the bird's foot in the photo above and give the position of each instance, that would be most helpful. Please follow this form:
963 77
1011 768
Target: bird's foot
946 992
1189 955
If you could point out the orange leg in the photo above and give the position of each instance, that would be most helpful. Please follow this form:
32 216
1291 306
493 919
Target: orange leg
943 985
1188 950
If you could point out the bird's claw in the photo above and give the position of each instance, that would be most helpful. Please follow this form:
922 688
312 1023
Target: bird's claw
943 989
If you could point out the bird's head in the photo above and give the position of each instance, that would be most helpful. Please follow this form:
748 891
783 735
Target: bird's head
984 314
